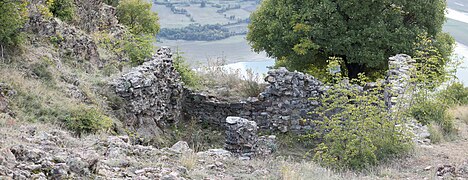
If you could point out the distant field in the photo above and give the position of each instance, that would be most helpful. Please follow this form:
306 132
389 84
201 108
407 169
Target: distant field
167 19
239 13
207 15
237 28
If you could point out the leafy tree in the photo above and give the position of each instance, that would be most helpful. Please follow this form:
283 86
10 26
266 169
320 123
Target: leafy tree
137 15
63 9
139 47
13 17
363 33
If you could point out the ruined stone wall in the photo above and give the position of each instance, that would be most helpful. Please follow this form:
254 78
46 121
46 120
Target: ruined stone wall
155 97
152 94
283 105
398 92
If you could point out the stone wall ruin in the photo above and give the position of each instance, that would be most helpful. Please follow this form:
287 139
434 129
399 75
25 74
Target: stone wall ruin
155 97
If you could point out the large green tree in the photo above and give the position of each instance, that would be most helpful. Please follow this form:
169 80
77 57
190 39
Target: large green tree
364 33
137 15
13 16
143 25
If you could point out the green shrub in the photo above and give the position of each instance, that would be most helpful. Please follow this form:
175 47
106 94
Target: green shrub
84 120
63 9
138 48
455 94
357 131
13 17
42 72
188 76
428 111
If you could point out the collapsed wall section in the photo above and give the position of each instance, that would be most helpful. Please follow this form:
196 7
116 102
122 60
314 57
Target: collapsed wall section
283 106
154 98
152 94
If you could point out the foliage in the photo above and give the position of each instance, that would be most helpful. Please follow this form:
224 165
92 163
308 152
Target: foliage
429 105
197 32
32 108
138 48
433 63
41 71
188 76
250 85
87 120
455 94
356 131
428 111
13 17
137 15
308 32
63 9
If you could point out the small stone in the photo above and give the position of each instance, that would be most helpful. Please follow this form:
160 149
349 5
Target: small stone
181 147
141 171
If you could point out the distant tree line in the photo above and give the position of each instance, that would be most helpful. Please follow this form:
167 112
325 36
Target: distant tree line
197 32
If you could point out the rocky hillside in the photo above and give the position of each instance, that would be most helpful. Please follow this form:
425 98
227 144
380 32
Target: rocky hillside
75 105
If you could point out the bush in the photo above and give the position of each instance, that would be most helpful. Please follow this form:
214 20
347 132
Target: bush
433 111
42 72
138 48
427 111
84 120
357 131
250 86
63 9
188 76
455 94
13 17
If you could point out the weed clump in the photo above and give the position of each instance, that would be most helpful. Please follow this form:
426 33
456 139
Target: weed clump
188 76
84 120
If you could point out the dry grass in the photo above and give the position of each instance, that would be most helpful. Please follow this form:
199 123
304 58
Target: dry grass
229 83
460 113
437 134
189 160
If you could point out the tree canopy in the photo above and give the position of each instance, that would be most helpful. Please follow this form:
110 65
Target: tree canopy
137 15
363 33
13 17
